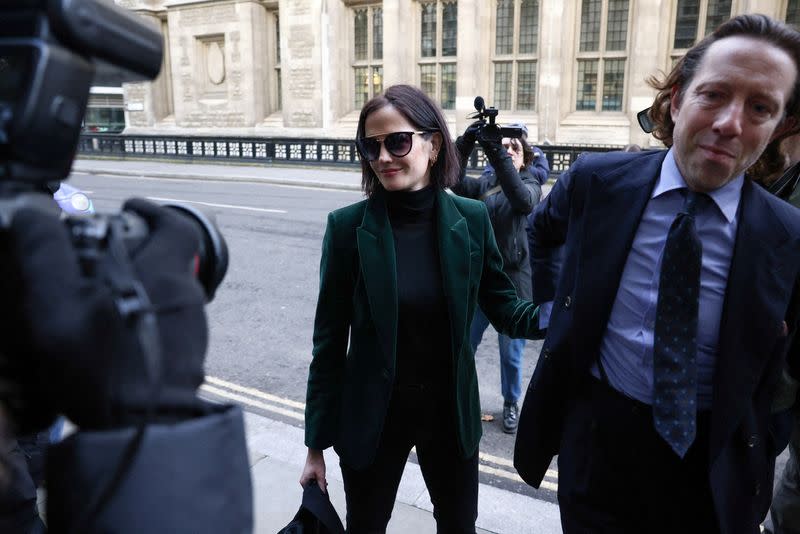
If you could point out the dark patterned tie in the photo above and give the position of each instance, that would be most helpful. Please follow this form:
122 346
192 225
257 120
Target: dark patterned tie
675 345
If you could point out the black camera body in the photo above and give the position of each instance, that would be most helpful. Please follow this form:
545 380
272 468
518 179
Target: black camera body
49 51
487 116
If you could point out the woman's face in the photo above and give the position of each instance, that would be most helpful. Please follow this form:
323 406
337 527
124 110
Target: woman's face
514 149
405 173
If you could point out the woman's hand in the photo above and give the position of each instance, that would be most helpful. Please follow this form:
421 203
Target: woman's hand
314 470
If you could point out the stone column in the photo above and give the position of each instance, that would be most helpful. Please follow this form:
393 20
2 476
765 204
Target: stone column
147 103
301 63
474 49
649 52
767 7
554 68
400 41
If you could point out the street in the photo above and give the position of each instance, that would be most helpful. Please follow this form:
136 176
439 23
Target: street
262 318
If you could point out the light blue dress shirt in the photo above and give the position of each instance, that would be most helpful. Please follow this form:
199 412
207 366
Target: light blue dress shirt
626 350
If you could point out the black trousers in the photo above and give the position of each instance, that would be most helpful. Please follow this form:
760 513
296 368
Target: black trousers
617 475
416 417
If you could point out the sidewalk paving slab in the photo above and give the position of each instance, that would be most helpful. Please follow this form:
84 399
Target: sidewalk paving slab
277 456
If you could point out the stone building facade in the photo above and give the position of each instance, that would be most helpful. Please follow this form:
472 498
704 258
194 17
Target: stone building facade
573 70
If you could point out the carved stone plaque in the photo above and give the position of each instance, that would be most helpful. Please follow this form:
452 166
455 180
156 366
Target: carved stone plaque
215 63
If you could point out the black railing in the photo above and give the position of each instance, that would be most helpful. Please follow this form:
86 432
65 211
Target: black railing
335 152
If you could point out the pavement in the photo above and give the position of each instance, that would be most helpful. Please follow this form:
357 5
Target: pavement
277 455
276 449
328 178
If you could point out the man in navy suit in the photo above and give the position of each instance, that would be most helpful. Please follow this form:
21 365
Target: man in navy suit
670 313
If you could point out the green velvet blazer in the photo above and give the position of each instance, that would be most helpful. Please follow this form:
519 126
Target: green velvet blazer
351 375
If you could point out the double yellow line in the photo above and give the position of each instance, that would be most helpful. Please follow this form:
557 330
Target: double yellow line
489 464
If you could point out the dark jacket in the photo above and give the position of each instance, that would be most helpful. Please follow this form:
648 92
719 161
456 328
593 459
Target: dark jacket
352 372
508 210
594 211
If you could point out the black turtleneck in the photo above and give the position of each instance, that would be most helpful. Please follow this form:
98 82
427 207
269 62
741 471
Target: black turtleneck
423 329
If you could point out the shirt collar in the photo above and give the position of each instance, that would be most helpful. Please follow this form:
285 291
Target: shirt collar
726 197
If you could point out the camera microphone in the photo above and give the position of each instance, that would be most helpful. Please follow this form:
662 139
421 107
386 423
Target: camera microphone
479 103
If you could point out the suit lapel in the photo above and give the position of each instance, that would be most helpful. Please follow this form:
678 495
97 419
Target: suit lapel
615 202
751 314
378 268
454 252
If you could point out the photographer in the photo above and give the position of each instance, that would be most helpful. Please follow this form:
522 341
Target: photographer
510 192
538 165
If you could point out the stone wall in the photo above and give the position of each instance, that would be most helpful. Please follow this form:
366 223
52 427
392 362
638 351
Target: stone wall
220 75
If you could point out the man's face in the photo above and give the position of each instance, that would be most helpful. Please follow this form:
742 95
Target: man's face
731 110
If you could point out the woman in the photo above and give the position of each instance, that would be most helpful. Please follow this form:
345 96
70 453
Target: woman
511 191
402 272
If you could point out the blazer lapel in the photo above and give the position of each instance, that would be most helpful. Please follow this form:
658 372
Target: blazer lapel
378 268
754 305
454 252
615 202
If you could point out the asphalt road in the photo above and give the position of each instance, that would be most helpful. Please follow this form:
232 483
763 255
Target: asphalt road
262 318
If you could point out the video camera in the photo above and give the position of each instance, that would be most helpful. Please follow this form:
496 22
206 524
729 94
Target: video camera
483 113
48 55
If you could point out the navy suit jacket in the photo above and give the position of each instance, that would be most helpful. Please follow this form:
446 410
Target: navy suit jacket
594 211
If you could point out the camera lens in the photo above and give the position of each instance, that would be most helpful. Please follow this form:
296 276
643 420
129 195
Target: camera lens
213 253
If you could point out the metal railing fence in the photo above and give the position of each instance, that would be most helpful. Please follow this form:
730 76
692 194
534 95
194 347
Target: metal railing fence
304 151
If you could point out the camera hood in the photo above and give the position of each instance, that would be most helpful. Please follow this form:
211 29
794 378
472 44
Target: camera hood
48 55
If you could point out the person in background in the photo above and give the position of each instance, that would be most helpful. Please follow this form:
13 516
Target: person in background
538 165
669 319
401 275
785 509
510 191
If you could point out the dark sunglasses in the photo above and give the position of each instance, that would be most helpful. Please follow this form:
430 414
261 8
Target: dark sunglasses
398 144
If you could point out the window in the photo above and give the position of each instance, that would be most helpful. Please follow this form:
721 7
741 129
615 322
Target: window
515 47
105 113
437 52
694 19
602 52
367 53
793 13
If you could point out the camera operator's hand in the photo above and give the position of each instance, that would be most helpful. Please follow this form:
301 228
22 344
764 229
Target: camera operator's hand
491 140
72 348
466 142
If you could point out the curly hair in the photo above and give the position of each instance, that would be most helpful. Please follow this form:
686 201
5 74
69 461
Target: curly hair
759 27
424 115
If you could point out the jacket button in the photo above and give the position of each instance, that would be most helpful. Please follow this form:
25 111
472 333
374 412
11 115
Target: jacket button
752 441
546 353
757 489
385 373
567 302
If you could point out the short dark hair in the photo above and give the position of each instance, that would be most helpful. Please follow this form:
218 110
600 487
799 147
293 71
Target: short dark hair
424 115
759 27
